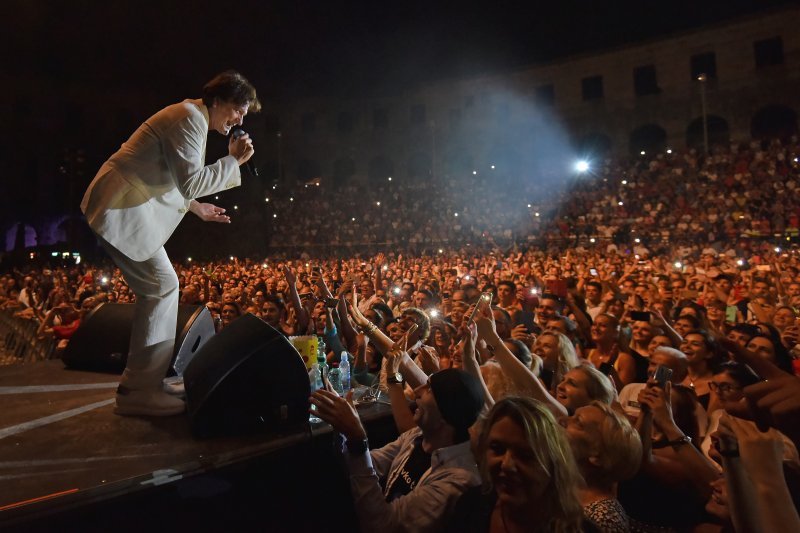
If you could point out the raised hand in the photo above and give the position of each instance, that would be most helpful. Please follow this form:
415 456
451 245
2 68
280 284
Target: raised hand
290 276
209 212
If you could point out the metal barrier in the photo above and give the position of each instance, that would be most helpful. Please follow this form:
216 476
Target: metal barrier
19 343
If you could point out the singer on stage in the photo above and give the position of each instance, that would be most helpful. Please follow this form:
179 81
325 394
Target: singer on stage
136 201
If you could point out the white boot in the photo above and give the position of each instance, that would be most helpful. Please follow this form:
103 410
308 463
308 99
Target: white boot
147 403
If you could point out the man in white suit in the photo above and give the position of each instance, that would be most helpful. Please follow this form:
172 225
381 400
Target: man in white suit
136 201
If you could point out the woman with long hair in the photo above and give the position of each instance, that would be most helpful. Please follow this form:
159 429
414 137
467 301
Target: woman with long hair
703 356
530 478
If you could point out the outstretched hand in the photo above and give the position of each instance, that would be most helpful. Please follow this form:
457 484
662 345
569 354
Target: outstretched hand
338 412
209 212
773 402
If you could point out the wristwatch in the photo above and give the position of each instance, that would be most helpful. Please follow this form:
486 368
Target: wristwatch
395 379
357 447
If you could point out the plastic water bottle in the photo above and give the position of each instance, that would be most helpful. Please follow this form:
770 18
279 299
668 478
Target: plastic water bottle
314 377
334 377
316 384
322 360
344 371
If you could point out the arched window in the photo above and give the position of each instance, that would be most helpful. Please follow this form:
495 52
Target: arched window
718 132
773 121
380 168
343 170
650 138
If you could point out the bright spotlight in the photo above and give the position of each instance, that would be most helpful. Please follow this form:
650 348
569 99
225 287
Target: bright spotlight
678 264
592 240
434 313
582 166
642 152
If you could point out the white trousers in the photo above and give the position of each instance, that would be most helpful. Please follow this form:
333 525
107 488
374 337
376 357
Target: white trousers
155 317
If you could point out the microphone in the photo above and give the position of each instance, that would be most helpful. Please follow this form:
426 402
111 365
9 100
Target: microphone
236 133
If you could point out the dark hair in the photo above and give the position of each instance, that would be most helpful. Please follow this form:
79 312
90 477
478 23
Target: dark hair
751 330
379 318
385 311
783 359
596 284
718 354
230 86
691 318
276 300
505 314
235 305
738 372
509 284
521 351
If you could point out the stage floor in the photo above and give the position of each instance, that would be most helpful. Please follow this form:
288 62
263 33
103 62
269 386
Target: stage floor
61 446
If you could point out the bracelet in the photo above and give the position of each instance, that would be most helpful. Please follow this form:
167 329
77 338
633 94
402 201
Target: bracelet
680 441
366 330
357 447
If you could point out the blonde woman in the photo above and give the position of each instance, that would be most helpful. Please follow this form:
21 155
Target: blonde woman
530 479
608 450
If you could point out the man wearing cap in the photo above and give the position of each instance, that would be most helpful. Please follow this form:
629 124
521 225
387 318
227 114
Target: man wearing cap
412 483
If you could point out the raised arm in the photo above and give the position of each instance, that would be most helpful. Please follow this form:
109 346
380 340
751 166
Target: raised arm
294 298
521 376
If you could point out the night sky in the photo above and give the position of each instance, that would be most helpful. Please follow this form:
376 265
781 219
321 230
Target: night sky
62 57
322 47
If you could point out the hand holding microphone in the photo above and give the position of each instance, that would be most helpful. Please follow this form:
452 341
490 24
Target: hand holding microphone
240 146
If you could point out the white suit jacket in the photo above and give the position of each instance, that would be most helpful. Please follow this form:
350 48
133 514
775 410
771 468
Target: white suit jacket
142 192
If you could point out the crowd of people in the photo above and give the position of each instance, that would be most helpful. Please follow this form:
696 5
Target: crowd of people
679 197
625 360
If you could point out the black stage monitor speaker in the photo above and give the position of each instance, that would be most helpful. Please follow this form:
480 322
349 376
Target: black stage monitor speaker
101 342
248 378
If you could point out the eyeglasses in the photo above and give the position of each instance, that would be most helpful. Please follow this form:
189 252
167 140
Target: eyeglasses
723 387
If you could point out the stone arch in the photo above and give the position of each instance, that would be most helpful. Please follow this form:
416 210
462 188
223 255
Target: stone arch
774 121
650 138
718 132
594 145
343 169
380 168
419 165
